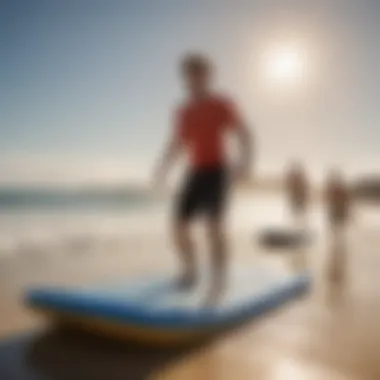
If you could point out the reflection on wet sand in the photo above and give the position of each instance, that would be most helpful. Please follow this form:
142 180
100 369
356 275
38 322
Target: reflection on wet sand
337 256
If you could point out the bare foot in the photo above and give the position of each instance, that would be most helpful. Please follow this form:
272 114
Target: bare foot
215 294
186 281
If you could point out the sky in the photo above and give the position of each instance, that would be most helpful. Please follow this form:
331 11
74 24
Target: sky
87 87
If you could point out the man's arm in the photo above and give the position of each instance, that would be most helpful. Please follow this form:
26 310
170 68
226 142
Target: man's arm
170 154
172 149
237 124
245 139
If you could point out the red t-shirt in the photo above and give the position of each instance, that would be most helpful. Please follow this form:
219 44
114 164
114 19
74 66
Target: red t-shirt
202 125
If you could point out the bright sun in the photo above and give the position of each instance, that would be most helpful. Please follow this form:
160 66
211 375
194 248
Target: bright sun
285 66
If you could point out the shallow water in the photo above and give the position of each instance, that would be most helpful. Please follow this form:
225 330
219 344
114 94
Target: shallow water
49 230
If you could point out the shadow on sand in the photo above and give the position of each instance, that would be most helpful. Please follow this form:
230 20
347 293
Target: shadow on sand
61 355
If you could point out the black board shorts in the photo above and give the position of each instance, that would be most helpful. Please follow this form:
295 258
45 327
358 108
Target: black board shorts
203 192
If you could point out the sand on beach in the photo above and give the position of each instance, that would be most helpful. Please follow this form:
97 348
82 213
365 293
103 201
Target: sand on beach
330 334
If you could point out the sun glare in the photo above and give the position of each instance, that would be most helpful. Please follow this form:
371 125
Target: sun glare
285 65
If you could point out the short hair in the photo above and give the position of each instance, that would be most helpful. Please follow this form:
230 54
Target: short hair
196 62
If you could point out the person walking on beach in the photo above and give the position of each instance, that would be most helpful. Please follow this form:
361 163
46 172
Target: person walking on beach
338 206
201 125
297 187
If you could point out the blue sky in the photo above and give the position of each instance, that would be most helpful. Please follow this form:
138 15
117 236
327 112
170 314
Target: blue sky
87 86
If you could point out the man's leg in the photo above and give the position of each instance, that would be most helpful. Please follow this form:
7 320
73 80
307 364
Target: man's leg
185 249
215 206
186 209
218 246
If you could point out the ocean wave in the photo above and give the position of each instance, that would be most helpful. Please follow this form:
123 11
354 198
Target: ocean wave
45 233
48 233
85 198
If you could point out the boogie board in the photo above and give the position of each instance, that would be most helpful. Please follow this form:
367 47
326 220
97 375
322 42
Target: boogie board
152 310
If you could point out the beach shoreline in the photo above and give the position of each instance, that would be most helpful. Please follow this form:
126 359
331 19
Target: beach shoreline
319 332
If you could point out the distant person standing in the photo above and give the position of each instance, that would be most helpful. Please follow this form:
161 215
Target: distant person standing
338 205
337 200
298 192
200 129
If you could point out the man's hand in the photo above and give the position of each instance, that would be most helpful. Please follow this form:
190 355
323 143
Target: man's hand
159 177
241 173
171 153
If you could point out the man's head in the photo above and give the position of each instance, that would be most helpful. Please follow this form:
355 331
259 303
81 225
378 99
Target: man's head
197 71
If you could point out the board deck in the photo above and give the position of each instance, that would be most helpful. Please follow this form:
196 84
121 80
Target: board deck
154 302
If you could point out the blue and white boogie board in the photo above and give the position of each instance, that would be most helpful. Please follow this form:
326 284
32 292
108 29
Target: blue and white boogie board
150 309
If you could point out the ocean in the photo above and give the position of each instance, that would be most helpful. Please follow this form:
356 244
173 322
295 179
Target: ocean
34 199
51 220
59 220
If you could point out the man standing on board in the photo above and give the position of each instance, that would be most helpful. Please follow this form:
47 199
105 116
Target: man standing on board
201 126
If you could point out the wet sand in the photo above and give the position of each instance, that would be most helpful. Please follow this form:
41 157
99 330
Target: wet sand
331 334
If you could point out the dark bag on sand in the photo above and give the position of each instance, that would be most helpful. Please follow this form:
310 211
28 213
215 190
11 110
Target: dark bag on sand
284 238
